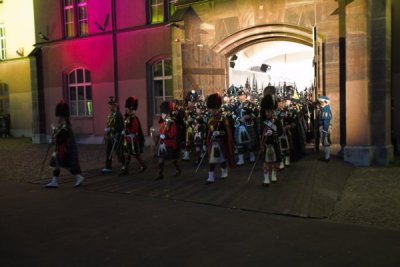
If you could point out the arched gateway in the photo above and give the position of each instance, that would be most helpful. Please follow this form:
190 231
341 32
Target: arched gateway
353 59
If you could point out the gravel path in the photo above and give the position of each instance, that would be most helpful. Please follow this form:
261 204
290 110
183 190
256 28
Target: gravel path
371 195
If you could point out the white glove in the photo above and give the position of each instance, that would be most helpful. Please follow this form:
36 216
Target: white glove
107 129
215 133
268 133
50 141
123 132
162 136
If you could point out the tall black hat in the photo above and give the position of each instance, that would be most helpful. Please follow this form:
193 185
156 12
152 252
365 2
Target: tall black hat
241 92
191 96
132 103
62 109
112 101
267 103
214 101
166 107
269 90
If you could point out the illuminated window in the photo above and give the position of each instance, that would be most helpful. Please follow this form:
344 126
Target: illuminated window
162 83
2 42
4 99
161 10
80 93
69 20
82 17
172 7
157 11
75 18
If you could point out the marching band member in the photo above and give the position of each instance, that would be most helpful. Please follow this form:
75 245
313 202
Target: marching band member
199 131
66 151
189 119
269 143
245 136
133 139
284 143
325 121
168 145
113 137
219 139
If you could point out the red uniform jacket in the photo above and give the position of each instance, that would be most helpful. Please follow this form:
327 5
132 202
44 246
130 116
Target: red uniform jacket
169 130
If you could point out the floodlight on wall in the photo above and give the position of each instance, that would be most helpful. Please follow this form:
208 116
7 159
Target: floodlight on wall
44 37
105 24
174 24
20 52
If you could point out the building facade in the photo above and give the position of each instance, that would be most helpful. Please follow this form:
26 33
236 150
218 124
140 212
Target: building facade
17 37
156 50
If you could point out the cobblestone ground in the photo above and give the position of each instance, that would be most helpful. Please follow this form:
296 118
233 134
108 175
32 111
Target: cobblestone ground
371 195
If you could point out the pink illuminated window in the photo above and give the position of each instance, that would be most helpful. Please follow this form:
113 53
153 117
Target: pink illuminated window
82 17
2 42
75 18
80 93
69 20
162 83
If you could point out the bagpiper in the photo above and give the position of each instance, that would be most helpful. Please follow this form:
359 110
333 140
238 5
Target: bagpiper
325 128
245 128
66 150
190 118
113 135
269 143
167 144
133 136
284 143
219 139
199 131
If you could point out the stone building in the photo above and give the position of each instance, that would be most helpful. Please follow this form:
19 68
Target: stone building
162 49
17 37
355 65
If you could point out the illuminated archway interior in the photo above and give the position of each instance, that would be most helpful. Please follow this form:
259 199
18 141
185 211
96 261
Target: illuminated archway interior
272 62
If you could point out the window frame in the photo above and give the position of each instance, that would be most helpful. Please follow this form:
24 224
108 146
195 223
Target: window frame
3 47
4 99
166 9
163 78
76 85
77 20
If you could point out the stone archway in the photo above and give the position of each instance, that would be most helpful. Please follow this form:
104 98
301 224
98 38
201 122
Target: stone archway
275 32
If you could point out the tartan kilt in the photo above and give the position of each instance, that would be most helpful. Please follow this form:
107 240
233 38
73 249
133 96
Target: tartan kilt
167 152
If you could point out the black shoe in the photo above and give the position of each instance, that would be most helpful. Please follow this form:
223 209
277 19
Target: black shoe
178 172
324 159
123 172
265 185
159 177
142 168
208 182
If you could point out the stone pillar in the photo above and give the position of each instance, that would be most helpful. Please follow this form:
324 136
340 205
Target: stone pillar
176 46
396 75
368 83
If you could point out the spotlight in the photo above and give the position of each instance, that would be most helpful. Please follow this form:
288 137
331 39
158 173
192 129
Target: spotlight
104 26
20 52
265 67
44 37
